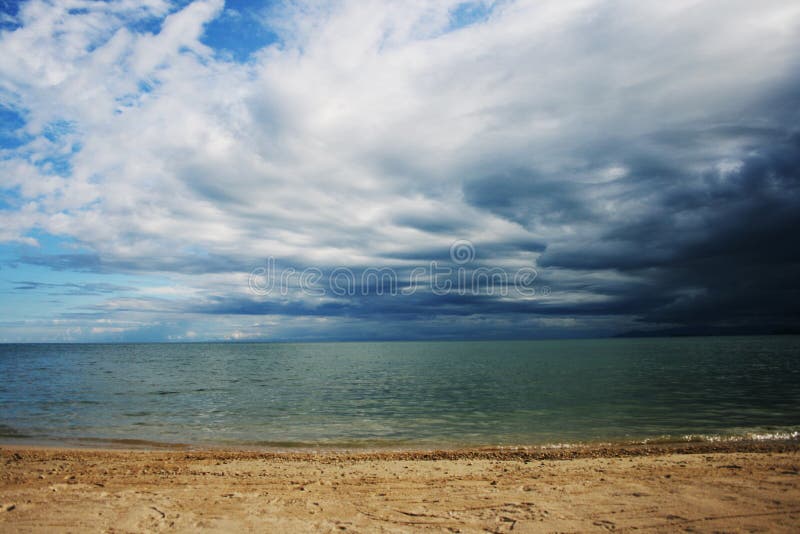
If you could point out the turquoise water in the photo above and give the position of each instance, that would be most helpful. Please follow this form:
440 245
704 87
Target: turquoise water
405 394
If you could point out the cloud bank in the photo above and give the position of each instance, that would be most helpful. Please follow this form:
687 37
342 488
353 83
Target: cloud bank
642 157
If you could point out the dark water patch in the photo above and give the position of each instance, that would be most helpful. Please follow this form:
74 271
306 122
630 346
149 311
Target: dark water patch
9 432
130 442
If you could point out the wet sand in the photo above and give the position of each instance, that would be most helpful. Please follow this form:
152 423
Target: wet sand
703 487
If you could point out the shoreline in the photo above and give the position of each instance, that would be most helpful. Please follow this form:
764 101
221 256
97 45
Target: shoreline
705 487
551 451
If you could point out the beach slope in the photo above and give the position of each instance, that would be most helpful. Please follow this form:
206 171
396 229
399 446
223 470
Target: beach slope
703 488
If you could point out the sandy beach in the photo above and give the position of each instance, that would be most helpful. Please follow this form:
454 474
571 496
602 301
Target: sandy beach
703 487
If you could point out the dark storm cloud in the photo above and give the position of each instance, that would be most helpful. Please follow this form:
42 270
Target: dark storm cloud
422 306
94 263
524 196
71 288
720 246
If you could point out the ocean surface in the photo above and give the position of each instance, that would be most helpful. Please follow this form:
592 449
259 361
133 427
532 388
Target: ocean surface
401 394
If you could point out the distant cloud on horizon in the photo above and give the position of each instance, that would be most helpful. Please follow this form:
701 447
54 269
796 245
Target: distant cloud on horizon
643 157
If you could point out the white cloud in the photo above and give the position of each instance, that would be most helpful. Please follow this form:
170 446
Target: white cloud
370 116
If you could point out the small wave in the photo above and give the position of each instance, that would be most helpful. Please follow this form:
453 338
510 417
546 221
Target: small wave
775 436
748 435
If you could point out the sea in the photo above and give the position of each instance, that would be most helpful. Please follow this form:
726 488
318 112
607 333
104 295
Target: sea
401 395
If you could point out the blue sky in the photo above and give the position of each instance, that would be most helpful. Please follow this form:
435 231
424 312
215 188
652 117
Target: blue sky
577 168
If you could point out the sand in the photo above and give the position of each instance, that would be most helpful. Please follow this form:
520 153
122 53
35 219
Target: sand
738 487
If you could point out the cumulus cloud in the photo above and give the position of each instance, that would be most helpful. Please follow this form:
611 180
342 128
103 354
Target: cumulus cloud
641 156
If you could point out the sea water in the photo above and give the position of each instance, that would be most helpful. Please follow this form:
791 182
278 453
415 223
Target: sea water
401 394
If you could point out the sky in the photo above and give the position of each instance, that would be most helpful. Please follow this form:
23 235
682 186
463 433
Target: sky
408 169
